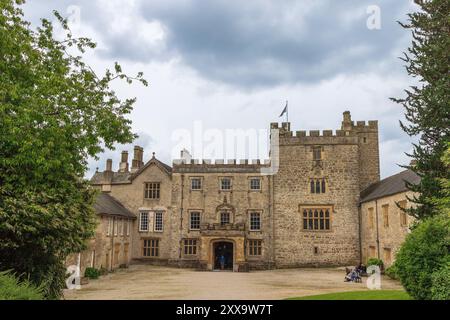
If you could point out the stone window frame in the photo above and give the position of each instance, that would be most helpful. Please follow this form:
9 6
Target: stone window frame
200 212
324 207
190 247
249 214
221 185
153 247
156 193
372 249
191 179
120 225
228 208
250 179
222 214
321 182
387 250
109 226
317 150
385 214
253 244
141 213
116 253
115 227
124 227
403 217
371 217
158 226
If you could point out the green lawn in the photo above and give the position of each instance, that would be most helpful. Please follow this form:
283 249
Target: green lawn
360 295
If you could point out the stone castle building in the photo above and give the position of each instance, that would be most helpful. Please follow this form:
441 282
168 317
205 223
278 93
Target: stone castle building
199 214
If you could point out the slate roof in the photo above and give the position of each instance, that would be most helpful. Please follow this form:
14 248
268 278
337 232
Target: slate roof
108 205
389 186
117 178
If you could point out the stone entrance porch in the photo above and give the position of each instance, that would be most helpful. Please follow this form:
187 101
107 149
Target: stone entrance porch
214 235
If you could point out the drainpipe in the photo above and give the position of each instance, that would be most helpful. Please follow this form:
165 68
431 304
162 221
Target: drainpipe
272 214
112 243
378 232
360 231
181 215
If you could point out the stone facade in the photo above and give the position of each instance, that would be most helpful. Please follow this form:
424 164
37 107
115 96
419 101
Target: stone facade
109 249
384 227
306 214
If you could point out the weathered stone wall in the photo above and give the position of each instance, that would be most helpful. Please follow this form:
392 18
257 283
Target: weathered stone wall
340 168
240 200
369 160
390 237
132 197
349 163
102 248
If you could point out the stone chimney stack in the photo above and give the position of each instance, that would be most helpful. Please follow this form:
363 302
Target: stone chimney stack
123 167
138 157
108 173
347 123
108 165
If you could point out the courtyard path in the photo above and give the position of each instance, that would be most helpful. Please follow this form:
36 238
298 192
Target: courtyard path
154 282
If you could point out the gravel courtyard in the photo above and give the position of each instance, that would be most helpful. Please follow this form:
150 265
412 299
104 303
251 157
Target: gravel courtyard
153 282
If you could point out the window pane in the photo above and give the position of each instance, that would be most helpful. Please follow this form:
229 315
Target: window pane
316 219
254 247
158 221
255 221
152 190
255 184
196 184
225 183
224 218
143 226
195 220
317 153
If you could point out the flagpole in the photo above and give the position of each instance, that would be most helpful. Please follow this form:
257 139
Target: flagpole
287 111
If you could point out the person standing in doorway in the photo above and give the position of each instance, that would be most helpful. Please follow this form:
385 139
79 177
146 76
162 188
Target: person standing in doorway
222 262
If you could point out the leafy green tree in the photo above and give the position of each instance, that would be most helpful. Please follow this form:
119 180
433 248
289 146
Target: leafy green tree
427 104
443 203
55 112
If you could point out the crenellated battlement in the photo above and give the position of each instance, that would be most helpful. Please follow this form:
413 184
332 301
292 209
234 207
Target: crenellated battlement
219 166
348 129
221 162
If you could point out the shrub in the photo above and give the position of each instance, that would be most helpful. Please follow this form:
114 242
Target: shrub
11 288
424 252
92 273
375 262
440 284
391 272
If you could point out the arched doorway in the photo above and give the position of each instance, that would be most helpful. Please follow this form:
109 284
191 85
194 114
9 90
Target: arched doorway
223 249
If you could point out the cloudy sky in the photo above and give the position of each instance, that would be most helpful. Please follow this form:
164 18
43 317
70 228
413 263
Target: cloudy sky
233 64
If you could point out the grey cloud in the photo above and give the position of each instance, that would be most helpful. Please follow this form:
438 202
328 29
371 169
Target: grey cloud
261 43
256 45
144 140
